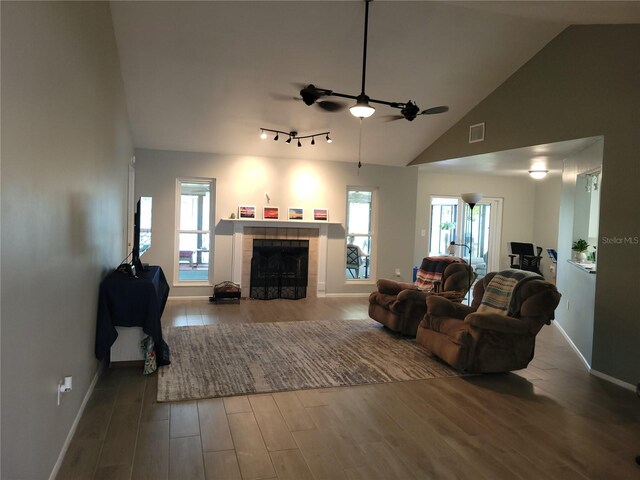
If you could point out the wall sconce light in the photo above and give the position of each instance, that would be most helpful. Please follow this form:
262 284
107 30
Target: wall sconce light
538 173
293 135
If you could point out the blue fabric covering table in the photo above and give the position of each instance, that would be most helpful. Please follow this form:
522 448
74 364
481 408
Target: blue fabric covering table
132 302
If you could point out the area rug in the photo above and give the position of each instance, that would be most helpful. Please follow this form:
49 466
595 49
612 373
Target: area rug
238 359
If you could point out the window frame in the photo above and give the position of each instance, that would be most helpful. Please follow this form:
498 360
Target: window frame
373 233
177 231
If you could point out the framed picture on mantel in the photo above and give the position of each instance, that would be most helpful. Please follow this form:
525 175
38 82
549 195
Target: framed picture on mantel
270 213
296 213
246 211
320 214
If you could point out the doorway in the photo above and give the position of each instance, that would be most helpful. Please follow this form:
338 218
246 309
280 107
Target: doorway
453 231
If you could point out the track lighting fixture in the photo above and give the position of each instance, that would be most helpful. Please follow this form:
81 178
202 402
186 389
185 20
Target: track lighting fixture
293 135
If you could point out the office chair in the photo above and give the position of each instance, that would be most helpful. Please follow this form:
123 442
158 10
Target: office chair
522 256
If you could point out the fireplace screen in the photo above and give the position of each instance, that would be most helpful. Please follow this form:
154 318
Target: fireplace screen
279 269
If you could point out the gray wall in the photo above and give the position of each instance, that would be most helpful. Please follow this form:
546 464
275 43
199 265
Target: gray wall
65 152
244 180
582 84
546 218
575 314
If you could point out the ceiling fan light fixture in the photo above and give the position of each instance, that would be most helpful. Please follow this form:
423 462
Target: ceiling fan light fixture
538 174
362 109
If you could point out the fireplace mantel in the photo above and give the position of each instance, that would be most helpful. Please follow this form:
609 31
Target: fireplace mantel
238 238
255 222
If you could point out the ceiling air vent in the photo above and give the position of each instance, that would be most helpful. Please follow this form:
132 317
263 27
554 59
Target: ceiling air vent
476 133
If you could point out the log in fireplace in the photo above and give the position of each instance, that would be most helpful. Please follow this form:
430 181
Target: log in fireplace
279 269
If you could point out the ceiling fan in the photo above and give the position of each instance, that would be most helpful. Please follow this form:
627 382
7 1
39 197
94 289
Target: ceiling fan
362 109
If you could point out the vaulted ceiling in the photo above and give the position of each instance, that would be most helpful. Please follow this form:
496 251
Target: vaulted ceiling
206 76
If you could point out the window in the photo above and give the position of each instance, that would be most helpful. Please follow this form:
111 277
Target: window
360 233
443 229
194 234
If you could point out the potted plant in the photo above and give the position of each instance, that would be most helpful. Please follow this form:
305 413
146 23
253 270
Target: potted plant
580 246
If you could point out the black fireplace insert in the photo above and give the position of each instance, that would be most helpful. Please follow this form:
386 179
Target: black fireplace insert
279 269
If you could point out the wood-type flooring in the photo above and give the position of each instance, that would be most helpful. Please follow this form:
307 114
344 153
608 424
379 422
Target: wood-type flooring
552 420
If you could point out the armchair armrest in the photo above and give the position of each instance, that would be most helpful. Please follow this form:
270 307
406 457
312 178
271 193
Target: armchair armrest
391 287
412 295
497 322
438 306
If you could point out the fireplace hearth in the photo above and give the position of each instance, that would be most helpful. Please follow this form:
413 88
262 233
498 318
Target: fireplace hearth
279 269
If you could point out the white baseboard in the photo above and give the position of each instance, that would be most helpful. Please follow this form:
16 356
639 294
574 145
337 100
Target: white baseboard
613 380
319 295
593 372
344 295
190 297
573 345
76 421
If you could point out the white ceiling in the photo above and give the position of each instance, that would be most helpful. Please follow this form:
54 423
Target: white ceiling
205 76
513 163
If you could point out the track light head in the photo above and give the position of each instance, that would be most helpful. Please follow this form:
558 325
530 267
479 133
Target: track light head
263 134
313 140
288 141
299 144
329 139
275 139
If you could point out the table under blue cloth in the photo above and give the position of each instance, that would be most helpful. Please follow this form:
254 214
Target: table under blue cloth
132 302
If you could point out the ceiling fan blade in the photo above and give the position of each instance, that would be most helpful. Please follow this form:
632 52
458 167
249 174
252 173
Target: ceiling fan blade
391 118
434 110
330 106
281 97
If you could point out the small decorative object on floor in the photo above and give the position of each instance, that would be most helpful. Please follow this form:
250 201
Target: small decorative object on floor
226 291
150 364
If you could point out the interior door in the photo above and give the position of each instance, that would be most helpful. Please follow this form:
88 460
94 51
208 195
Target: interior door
454 231
481 230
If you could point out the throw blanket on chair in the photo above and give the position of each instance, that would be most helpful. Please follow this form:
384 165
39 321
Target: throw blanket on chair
501 295
431 271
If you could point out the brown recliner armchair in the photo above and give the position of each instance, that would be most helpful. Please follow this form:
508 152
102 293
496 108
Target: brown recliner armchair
400 306
486 342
